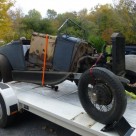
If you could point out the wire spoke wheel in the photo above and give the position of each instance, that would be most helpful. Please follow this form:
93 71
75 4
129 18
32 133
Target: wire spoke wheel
102 95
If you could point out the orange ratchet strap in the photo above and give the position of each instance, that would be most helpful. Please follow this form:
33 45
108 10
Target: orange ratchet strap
45 58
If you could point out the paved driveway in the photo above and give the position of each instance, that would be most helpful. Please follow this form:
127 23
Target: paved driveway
28 124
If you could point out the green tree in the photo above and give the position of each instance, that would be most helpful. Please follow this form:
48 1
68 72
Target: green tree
34 14
62 17
51 14
31 22
87 23
45 26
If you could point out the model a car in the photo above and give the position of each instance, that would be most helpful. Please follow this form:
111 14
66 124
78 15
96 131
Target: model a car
50 60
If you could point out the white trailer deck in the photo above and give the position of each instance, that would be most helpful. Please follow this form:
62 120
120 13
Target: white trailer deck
63 107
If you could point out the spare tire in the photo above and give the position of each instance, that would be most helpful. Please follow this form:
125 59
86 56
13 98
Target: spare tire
5 69
102 95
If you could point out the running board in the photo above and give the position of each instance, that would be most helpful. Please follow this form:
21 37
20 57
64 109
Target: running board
51 78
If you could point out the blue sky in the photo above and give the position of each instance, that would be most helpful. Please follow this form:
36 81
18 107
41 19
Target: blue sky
60 6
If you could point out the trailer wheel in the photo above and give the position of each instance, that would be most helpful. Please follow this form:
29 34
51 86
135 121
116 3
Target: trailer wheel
4 118
102 95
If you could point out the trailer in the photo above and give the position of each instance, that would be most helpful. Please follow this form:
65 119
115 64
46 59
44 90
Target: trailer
61 107
27 66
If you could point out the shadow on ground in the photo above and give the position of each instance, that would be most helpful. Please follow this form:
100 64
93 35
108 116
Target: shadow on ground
28 124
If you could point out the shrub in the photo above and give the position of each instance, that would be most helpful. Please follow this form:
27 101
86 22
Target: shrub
97 42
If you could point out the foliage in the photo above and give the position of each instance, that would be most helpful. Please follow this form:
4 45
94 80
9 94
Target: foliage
101 21
34 14
5 20
97 42
126 15
51 14
106 35
17 25
31 21
34 22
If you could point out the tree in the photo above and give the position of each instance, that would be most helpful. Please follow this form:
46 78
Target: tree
45 26
82 13
51 14
126 16
87 23
5 20
17 25
62 17
104 18
31 22
34 14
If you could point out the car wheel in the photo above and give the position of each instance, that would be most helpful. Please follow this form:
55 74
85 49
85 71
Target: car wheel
102 95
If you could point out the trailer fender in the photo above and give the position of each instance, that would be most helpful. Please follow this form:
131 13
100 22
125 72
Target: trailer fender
10 99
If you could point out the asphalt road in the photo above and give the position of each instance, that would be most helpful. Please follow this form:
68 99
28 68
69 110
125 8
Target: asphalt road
28 124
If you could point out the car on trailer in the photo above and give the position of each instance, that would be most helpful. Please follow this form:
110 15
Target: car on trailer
50 60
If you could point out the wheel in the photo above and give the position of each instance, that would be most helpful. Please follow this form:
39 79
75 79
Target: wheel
102 95
5 69
131 87
4 118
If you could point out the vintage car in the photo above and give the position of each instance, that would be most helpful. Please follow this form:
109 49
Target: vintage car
50 60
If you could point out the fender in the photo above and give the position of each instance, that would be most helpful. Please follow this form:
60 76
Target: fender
10 99
14 54
5 69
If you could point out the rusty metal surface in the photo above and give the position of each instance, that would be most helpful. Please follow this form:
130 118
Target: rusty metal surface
82 50
37 48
